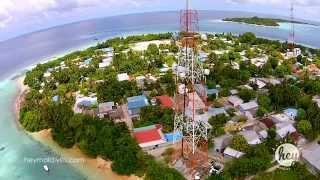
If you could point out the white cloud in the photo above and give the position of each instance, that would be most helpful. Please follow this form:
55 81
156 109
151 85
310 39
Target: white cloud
20 10
279 2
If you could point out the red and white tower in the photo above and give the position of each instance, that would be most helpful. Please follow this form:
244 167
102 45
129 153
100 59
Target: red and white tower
189 73
291 42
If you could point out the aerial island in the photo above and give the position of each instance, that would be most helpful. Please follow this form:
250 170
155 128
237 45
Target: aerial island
261 21
115 101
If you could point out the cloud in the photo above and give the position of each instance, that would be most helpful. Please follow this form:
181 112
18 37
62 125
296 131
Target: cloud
21 10
306 3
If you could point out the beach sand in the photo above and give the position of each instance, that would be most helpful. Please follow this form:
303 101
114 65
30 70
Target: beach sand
92 168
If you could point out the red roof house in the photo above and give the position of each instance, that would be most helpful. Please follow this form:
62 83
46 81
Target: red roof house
150 136
268 122
165 101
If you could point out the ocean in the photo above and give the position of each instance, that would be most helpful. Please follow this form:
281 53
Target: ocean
18 54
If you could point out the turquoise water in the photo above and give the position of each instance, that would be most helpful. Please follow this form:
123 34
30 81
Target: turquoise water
19 147
24 51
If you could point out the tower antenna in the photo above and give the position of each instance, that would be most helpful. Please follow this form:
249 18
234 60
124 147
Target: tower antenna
189 74
292 28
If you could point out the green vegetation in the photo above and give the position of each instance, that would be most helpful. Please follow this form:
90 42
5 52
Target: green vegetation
156 115
255 160
261 21
217 123
230 66
297 172
95 136
239 143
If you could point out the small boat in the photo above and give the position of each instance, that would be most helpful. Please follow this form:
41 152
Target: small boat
46 168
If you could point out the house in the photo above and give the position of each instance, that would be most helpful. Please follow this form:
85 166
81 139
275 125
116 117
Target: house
149 137
311 156
212 92
284 129
281 118
316 99
204 37
267 122
251 137
103 65
259 61
251 107
107 50
291 112
195 102
47 74
86 105
165 68
273 81
217 111
135 104
235 101
203 56
56 98
221 142
263 134
123 77
204 91
201 90
106 108
234 92
260 84
313 69
165 101
87 61
298 139
292 54
232 153
140 81
173 137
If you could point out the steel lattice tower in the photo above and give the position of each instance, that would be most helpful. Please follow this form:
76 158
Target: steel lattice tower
189 72
292 29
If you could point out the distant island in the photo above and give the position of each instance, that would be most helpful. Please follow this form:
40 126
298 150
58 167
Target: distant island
261 21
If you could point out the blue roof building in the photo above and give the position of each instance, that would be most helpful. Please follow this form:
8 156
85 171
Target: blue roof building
216 111
173 137
135 103
212 91
55 98
291 112
107 50
88 61
203 56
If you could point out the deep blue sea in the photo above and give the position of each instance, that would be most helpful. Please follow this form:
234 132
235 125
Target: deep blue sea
24 51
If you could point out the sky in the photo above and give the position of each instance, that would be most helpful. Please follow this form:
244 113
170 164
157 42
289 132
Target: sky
23 16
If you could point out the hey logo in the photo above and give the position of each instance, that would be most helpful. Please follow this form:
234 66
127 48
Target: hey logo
287 154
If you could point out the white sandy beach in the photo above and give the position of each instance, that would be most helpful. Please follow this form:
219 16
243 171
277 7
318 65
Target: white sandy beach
93 169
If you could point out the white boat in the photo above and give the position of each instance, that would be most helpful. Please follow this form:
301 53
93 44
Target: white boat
46 168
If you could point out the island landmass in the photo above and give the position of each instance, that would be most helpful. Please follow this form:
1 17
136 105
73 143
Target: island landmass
99 100
261 21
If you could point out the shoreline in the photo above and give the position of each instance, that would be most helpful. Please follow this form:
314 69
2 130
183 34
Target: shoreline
91 168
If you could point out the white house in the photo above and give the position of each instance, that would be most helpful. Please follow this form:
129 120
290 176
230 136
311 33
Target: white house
311 155
123 77
259 61
251 137
284 129
221 142
235 101
232 153
281 118
251 106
